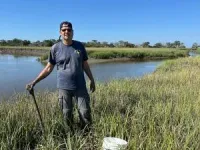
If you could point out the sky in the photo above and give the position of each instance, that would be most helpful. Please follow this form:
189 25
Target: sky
135 21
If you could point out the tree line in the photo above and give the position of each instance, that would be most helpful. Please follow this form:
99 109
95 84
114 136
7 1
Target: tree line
96 43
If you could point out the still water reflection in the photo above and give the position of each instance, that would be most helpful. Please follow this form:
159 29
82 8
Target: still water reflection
16 72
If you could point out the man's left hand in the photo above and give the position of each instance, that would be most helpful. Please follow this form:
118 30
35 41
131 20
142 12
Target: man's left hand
92 86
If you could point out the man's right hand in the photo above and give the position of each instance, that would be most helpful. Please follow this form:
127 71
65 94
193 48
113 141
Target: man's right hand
30 86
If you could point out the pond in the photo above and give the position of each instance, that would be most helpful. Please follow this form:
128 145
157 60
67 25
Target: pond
17 71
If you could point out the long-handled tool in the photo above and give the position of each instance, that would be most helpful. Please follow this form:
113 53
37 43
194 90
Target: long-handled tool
31 91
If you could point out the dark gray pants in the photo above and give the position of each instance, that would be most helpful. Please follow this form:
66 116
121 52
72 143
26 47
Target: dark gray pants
83 102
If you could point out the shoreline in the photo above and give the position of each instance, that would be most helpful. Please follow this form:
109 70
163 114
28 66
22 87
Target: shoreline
21 51
43 51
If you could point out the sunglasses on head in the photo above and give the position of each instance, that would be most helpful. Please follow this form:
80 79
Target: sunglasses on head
69 30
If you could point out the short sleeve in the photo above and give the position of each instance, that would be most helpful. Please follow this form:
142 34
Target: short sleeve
84 52
52 57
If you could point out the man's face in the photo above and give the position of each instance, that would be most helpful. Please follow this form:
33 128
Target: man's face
66 32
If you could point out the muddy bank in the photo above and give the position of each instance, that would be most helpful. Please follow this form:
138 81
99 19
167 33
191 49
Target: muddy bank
121 60
93 61
22 51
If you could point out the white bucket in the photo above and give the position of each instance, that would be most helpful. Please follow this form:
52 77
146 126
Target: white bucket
111 143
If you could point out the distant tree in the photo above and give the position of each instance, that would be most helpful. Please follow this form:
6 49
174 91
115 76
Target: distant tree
16 42
177 44
182 45
84 43
111 45
116 44
104 44
136 45
122 43
158 45
170 45
3 42
37 43
95 43
48 43
131 45
145 44
194 46
26 42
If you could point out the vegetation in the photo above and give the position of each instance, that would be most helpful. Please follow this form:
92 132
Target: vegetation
158 111
137 53
195 46
19 42
132 53
93 43
198 50
104 52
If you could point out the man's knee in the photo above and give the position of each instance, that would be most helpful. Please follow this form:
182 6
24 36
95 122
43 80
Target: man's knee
67 112
85 116
66 106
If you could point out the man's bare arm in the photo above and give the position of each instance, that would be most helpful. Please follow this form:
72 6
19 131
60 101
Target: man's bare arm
43 74
87 70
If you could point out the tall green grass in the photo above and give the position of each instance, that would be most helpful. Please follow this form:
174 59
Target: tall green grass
198 50
137 54
158 111
133 54
105 53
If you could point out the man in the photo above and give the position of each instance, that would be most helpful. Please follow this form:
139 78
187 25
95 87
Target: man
70 57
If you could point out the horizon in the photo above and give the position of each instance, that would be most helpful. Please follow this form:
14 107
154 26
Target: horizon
133 21
86 42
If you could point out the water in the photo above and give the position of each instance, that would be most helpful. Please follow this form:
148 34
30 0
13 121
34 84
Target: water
16 72
118 70
193 54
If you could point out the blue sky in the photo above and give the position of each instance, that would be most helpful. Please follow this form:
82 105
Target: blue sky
136 21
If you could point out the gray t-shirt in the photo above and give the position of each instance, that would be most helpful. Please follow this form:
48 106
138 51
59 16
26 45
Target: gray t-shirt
69 60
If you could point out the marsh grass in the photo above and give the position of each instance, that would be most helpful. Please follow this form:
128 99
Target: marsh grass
105 52
139 54
157 111
198 50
